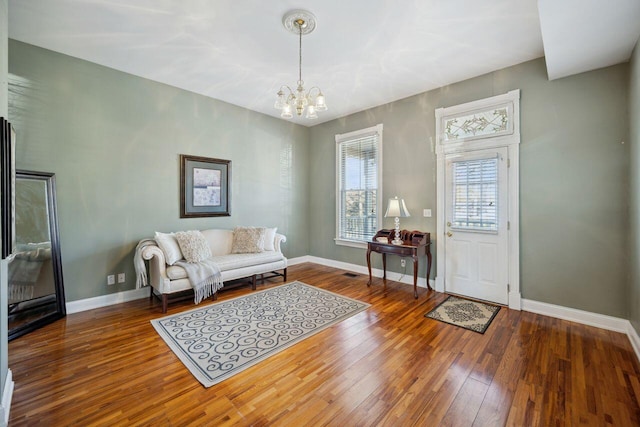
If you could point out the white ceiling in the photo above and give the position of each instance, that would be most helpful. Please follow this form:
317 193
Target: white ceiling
363 53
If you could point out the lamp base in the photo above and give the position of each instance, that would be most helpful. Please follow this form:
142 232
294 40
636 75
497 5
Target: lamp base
397 240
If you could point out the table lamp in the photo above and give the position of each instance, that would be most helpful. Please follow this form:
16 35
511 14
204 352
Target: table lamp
397 209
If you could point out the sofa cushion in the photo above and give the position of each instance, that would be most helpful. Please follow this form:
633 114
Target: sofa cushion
230 262
193 245
270 239
248 240
169 246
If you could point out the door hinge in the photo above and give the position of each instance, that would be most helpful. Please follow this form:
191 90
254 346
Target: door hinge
508 162
508 287
508 225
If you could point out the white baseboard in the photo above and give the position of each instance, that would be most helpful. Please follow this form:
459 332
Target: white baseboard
106 300
574 315
634 338
298 260
6 399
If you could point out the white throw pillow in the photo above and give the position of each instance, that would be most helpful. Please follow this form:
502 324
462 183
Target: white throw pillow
248 240
169 245
270 238
193 245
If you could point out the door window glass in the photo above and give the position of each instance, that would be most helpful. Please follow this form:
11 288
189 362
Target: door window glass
475 194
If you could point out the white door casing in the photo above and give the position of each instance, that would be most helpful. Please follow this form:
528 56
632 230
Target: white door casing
486 127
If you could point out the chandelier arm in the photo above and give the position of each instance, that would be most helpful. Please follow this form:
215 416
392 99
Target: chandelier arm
287 88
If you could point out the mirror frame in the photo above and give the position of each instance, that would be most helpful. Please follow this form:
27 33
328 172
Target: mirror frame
56 259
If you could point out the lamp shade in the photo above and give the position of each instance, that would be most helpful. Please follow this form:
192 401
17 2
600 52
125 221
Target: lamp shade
397 208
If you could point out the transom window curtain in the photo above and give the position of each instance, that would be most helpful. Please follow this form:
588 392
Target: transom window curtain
359 185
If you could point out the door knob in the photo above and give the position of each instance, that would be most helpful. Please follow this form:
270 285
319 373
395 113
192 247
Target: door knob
448 224
449 233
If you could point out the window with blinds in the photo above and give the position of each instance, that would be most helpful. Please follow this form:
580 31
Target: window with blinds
475 194
359 183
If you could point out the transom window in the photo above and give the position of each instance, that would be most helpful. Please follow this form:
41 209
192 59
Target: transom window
358 189
475 194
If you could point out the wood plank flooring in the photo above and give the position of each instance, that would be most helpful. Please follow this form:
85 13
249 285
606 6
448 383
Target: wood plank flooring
388 365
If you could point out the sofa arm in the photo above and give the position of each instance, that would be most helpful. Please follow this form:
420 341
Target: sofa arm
280 238
157 267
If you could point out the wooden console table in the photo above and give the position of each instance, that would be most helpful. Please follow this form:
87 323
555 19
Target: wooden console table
415 244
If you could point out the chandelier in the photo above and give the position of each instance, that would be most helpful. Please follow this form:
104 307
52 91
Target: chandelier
300 22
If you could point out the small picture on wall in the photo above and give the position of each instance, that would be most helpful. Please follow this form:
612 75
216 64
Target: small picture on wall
205 187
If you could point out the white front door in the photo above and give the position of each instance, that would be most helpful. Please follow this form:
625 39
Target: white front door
476 221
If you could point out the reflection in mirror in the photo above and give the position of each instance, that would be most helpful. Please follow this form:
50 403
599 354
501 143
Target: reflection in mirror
35 291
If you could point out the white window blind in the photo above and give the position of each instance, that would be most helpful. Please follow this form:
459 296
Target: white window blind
359 178
475 194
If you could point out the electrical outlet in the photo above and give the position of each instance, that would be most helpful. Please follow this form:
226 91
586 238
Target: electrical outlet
120 277
403 262
426 213
111 279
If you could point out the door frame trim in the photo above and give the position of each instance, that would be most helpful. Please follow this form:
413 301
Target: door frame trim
512 142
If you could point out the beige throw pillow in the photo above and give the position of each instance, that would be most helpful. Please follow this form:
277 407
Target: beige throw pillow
169 245
193 245
248 240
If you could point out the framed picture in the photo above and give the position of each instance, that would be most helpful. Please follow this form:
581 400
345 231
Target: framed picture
205 187
7 186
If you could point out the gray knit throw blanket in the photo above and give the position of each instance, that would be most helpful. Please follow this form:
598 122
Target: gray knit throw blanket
205 277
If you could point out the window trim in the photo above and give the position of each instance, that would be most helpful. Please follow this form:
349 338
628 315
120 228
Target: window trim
345 137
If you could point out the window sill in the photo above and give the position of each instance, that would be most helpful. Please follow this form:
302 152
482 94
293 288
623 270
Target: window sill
351 243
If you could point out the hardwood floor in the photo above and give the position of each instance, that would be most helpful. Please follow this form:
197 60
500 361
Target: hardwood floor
388 365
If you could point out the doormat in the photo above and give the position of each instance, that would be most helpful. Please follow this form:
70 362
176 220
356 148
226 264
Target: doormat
473 315
222 339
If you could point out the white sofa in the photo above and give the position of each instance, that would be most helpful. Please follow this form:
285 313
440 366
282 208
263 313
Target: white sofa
166 280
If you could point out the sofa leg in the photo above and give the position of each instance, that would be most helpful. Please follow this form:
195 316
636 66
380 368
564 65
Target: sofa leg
165 302
150 293
253 282
215 296
285 275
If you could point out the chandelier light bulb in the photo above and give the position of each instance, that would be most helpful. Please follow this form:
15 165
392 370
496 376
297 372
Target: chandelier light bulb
311 112
286 112
280 100
320 104
299 22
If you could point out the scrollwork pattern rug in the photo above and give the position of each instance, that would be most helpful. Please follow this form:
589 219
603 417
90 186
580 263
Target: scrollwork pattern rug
473 315
222 339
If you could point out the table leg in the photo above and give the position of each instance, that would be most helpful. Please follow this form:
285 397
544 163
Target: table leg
384 271
369 265
428 269
415 277
384 267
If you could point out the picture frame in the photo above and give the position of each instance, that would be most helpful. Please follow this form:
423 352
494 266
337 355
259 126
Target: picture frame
205 187
7 186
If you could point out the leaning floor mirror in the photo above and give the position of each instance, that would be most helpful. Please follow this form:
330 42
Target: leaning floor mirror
35 286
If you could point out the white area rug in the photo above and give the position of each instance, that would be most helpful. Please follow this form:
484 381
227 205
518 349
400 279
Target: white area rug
218 341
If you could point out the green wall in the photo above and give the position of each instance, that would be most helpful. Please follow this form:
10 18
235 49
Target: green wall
634 232
573 172
113 140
